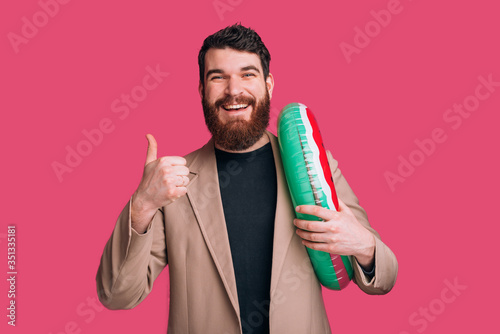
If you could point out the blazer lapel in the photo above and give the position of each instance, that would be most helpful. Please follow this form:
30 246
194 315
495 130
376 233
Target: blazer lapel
204 195
284 230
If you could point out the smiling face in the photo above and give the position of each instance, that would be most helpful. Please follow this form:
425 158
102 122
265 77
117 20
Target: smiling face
235 98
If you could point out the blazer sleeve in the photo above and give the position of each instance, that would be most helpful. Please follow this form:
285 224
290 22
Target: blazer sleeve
386 264
131 262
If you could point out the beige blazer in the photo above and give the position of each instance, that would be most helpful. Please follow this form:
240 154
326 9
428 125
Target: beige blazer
190 236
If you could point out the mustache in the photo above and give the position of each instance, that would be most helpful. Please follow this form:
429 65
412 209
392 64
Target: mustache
238 100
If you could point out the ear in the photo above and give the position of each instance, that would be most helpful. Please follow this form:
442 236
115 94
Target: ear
200 90
270 84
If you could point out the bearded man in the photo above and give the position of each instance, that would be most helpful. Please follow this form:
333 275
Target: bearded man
222 220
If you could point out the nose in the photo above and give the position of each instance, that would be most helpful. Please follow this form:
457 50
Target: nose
234 86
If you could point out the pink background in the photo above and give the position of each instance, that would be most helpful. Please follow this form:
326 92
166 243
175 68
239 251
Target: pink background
439 222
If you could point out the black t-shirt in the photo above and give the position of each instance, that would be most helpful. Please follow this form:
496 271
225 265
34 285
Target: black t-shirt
248 189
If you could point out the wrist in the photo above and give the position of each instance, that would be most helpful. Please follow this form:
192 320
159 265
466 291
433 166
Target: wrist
140 213
367 258
139 205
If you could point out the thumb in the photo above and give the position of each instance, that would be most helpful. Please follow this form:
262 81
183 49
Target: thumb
152 148
344 207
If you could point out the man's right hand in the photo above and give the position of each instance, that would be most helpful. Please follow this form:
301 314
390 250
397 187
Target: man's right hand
164 180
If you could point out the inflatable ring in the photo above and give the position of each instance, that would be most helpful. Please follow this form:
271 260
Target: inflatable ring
310 182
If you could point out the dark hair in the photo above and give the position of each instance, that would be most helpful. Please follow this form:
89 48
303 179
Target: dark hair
235 37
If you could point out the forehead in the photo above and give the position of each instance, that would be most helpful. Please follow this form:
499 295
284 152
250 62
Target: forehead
229 60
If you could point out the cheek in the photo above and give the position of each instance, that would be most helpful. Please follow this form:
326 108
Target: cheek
259 91
213 92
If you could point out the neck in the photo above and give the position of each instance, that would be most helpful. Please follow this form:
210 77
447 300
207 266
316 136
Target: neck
261 142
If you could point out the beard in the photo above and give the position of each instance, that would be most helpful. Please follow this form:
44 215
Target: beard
237 134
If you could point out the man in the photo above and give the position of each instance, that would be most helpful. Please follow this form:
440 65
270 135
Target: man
222 218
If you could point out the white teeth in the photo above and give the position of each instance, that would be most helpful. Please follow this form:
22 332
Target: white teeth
236 106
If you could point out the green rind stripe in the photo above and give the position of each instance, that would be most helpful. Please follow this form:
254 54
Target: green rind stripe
294 146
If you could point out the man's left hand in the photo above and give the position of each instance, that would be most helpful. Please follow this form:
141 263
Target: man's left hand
340 233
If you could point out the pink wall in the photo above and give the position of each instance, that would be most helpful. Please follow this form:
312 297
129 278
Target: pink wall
376 94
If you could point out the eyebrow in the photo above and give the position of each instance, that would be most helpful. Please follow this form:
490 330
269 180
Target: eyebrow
214 71
246 68
250 67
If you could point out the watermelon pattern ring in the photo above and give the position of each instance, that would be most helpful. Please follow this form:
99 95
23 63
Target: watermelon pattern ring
310 182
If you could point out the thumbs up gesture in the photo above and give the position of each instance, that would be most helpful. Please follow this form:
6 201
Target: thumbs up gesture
163 181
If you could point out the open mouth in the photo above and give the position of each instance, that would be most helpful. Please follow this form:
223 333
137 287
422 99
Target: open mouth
235 107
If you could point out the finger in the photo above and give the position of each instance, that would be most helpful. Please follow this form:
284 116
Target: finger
320 246
152 149
312 236
344 207
181 181
178 161
179 192
179 170
308 225
173 161
316 210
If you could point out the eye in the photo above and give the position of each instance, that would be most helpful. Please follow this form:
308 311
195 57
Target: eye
216 77
248 75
